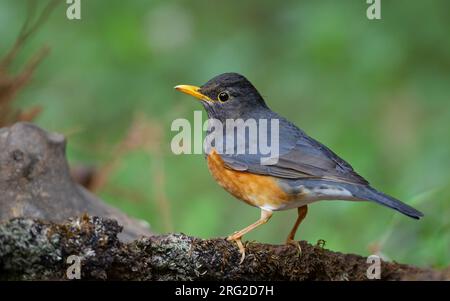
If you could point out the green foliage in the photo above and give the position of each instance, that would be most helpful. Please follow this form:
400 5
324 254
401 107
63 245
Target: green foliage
376 92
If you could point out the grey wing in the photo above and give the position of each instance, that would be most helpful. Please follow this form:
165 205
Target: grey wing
300 157
305 161
315 159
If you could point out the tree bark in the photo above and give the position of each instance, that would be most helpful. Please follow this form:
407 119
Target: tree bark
35 181
36 250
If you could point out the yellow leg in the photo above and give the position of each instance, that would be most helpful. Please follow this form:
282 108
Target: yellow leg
302 211
265 216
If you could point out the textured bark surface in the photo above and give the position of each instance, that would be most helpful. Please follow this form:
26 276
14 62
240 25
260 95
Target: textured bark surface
38 250
35 181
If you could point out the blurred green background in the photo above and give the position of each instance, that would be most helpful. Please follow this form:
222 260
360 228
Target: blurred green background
376 92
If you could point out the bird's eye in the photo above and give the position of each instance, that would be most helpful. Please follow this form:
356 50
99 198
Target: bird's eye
223 96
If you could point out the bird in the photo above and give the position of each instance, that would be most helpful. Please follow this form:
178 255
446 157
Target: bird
306 171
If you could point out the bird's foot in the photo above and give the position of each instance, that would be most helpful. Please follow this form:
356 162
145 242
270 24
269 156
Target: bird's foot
296 244
238 241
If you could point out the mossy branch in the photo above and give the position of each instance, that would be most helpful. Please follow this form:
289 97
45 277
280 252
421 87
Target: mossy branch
38 250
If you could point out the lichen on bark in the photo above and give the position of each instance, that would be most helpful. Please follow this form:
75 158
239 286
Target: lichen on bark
37 250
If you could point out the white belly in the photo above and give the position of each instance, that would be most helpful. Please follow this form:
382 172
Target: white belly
311 195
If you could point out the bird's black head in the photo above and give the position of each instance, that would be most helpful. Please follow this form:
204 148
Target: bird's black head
228 96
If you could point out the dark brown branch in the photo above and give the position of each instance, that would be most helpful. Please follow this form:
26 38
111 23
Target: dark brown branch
37 250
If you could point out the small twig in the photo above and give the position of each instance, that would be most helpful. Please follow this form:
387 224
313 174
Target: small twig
28 30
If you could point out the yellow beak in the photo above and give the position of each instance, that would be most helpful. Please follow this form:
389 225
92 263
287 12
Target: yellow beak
192 90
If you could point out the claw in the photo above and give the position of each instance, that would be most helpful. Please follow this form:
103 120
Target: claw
296 244
240 246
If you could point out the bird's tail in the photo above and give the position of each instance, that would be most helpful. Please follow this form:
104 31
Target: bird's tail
371 194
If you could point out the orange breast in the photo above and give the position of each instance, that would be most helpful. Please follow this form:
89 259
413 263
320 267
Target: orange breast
256 190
